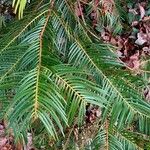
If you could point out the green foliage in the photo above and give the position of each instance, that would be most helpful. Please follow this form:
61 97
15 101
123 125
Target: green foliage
19 7
56 68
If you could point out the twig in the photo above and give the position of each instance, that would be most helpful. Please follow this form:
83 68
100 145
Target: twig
40 54
106 127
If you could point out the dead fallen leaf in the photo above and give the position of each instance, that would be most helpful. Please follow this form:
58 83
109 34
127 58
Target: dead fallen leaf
119 53
142 11
108 6
134 62
3 141
105 36
147 94
134 23
146 50
133 11
113 41
1 127
142 38
146 18
98 112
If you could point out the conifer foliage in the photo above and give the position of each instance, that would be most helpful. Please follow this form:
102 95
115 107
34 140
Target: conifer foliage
65 83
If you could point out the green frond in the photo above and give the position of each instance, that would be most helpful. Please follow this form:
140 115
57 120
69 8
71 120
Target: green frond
77 91
52 66
121 140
